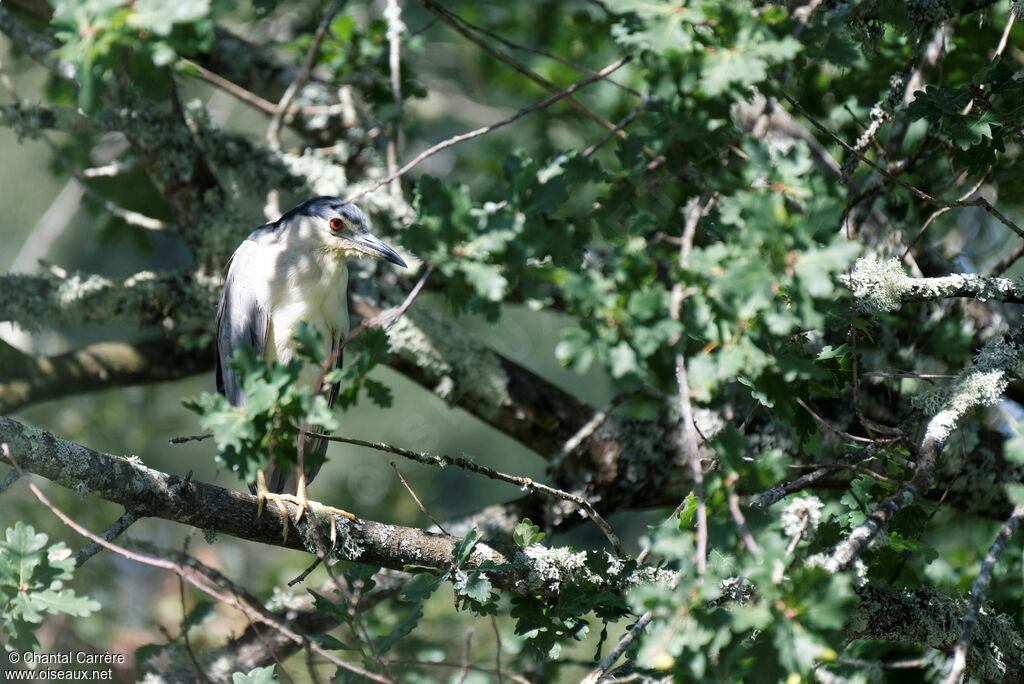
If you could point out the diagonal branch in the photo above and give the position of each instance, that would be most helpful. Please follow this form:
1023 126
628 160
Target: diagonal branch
981 385
448 17
431 151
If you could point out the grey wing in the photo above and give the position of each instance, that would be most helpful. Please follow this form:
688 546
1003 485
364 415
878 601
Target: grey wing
319 445
241 320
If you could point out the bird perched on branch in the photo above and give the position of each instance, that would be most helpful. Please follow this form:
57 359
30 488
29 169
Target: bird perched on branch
285 272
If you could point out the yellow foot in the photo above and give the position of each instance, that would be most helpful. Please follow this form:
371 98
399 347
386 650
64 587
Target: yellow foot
263 494
299 499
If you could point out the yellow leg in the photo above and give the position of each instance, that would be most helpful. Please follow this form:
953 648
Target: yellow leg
263 494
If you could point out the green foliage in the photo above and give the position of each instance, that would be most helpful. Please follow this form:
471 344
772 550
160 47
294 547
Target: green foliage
260 675
526 533
266 429
32 578
144 37
371 349
712 227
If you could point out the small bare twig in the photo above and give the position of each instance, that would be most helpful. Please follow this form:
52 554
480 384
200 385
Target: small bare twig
431 151
305 573
11 478
698 208
525 483
465 655
116 528
917 192
737 515
534 51
846 466
356 622
274 129
978 589
912 376
585 432
824 424
184 633
390 315
457 666
626 120
417 499
393 14
452 20
599 672
642 556
939 212
497 648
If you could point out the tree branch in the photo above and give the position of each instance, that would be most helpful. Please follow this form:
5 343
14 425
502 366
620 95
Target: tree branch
146 298
531 571
29 379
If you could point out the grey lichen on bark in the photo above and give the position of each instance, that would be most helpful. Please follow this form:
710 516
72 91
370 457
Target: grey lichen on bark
882 286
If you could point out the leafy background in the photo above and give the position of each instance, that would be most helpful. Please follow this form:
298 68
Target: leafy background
714 224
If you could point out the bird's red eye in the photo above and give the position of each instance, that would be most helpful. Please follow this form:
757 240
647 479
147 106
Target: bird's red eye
336 224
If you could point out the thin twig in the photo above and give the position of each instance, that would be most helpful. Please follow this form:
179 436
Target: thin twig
598 673
190 561
585 432
912 376
417 499
184 633
451 19
824 423
917 192
274 129
11 478
978 589
393 15
497 648
390 315
525 483
618 127
127 519
259 102
305 573
458 666
696 210
939 212
356 622
465 656
189 577
847 466
642 556
524 48
431 151
737 515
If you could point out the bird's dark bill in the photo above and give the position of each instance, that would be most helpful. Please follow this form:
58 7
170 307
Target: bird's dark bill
375 247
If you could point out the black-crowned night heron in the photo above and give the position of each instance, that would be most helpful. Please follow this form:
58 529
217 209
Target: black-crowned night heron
288 271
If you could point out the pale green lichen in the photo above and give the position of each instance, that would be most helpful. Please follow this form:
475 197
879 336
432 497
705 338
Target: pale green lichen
801 516
877 286
282 600
322 174
981 385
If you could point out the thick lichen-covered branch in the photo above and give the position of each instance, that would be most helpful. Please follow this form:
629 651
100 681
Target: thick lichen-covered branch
879 286
930 618
146 298
28 379
534 571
